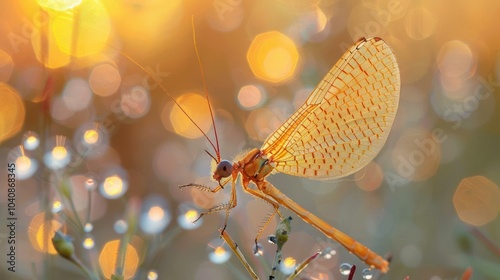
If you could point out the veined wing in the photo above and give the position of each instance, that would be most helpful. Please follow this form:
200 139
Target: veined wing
345 121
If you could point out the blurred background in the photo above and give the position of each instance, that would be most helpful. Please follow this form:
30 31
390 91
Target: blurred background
100 149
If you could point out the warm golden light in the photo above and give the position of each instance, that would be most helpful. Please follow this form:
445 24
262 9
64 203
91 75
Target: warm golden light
6 66
56 206
12 112
196 107
191 215
47 50
476 200
273 57
289 262
40 233
59 5
113 185
91 136
59 152
156 213
23 164
88 243
31 140
219 251
88 35
108 255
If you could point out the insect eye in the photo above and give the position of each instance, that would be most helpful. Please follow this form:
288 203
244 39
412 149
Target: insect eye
224 168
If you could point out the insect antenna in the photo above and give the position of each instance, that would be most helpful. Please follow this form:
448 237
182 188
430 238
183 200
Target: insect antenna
176 103
217 151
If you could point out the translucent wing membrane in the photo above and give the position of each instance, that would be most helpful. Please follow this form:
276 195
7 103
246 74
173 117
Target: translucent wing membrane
345 121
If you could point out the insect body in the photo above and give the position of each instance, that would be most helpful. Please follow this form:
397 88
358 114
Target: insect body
339 129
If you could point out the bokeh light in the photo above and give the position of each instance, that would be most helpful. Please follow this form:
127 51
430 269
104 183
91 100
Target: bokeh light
77 94
195 105
219 255
107 260
273 57
120 226
58 156
420 23
186 217
83 31
60 5
31 141
251 97
456 59
417 154
369 178
113 187
155 216
104 80
152 275
57 207
136 102
288 265
47 50
12 112
41 231
88 243
476 200
6 66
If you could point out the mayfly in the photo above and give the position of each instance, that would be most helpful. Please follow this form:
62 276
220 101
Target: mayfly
339 129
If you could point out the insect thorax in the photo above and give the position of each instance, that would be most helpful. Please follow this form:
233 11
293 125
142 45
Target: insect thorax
255 165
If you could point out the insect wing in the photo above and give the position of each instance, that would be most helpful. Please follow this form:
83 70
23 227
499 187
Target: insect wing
345 121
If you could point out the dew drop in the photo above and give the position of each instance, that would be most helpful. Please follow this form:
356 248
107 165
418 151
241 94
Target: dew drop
345 269
328 253
120 226
271 239
258 249
367 273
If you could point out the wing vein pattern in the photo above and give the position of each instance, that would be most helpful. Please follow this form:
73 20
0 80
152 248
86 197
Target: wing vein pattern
345 121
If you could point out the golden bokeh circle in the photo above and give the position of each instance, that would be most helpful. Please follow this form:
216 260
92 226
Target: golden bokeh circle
476 200
12 112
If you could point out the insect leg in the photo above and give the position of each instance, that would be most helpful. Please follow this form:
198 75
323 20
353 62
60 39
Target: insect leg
259 194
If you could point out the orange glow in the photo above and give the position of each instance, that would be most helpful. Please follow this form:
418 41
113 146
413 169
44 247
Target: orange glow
23 163
456 59
92 29
476 200
12 112
196 107
289 262
39 228
273 57
47 50
107 260
156 213
113 185
91 136
59 152
6 66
